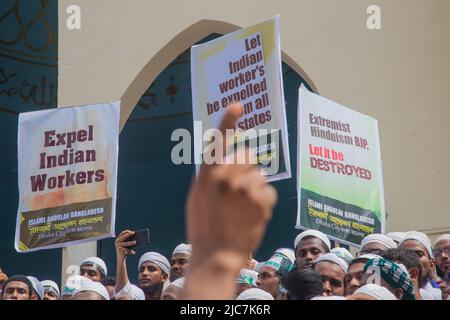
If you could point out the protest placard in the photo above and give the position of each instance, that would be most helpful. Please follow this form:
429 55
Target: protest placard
340 182
67 171
243 66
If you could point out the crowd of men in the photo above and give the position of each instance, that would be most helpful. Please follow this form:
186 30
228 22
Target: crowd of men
396 266
228 208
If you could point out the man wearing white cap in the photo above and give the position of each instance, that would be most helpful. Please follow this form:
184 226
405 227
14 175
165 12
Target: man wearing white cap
153 273
90 290
153 269
309 245
93 268
332 269
376 243
421 244
51 290
441 253
180 261
281 262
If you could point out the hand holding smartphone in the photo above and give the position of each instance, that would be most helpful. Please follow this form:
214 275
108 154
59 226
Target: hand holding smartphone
142 238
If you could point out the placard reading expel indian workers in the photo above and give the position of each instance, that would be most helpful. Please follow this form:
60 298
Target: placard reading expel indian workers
243 66
340 177
67 169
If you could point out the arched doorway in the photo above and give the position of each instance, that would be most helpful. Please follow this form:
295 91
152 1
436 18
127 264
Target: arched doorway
152 190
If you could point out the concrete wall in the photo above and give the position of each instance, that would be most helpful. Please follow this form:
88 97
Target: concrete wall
400 75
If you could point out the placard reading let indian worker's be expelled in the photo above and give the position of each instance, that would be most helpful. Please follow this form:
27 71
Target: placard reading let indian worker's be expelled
243 66
67 170
340 177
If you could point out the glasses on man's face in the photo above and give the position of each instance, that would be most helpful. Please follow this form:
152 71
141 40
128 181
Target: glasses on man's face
378 252
440 251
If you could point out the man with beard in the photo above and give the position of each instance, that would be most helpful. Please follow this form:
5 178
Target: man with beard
441 253
309 245
180 261
153 269
273 270
153 274
421 245
412 263
332 270
94 269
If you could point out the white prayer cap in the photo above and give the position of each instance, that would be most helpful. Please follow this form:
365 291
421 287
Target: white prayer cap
369 256
137 293
343 254
289 253
37 286
283 261
375 291
89 285
183 248
329 298
179 282
51 284
259 266
331 257
157 259
255 294
379 238
247 276
396 236
312 233
365 257
442 237
97 263
420 237
73 283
